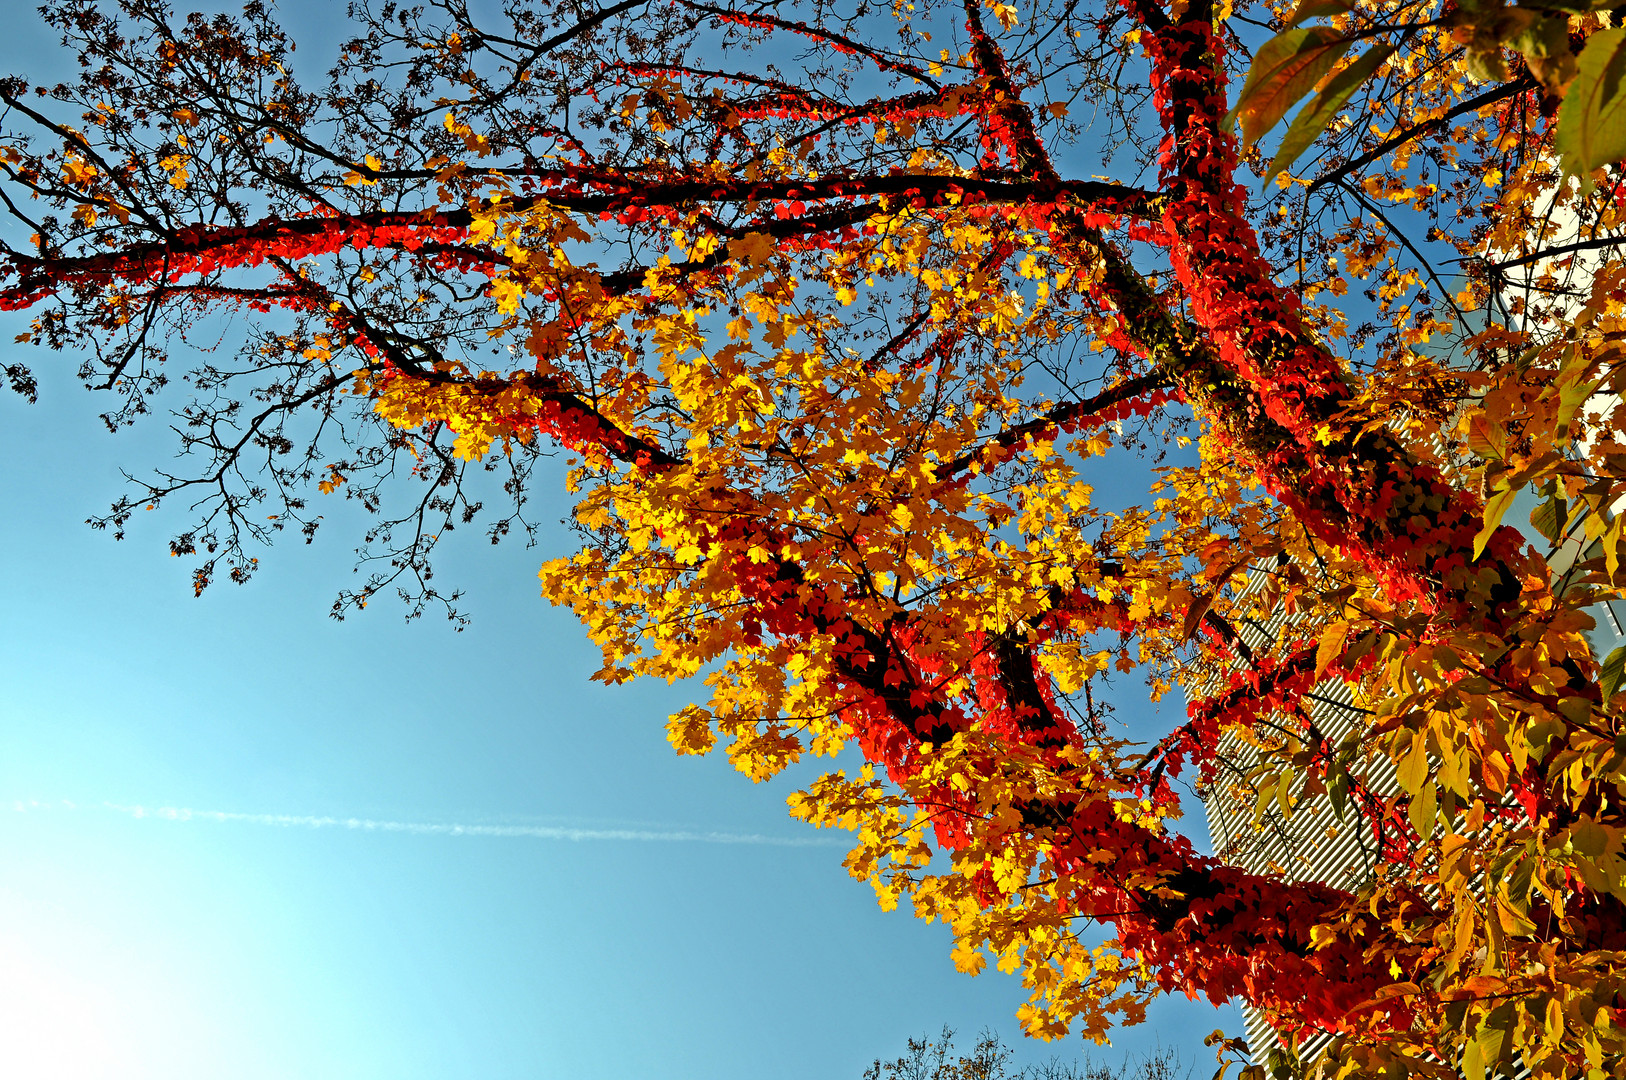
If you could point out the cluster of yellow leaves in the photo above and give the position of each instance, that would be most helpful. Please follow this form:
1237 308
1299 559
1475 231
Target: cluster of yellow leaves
1027 932
880 481
479 417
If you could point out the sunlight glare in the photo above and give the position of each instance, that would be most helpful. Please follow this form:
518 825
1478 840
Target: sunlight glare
56 1025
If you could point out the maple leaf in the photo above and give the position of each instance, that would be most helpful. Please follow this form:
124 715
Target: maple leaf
838 380
754 248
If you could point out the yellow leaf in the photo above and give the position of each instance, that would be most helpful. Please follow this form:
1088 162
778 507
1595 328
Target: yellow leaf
1330 646
1005 13
968 960
1495 507
507 293
177 165
755 248
1611 545
1412 771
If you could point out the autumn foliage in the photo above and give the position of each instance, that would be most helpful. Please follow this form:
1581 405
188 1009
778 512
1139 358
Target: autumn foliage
844 332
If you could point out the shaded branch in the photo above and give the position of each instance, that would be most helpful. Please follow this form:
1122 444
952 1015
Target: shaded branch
1554 252
1072 412
1496 93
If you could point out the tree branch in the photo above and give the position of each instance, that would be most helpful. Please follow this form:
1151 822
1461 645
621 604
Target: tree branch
1060 417
1496 93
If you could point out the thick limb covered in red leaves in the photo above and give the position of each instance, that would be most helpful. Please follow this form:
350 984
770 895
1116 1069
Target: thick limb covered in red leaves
1203 927
706 181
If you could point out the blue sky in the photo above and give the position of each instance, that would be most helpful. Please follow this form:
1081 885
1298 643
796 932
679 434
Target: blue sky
194 947
146 946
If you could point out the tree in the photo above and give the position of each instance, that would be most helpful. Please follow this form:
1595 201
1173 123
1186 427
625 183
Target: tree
837 343
990 1059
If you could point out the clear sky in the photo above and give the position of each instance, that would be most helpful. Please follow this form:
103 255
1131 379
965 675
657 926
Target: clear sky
576 927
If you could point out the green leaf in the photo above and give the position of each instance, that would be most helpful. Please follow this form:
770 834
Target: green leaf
1572 397
1284 69
1495 507
1610 543
1550 517
1338 793
1284 793
1609 676
1549 36
1492 1033
1313 119
1592 120
1310 9
1486 65
1577 710
1472 1065
1517 888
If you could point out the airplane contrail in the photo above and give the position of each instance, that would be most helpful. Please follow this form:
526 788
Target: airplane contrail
422 828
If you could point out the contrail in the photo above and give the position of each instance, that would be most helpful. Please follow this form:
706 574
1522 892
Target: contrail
421 828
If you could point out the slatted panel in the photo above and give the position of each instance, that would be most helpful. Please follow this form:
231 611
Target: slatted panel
1310 844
